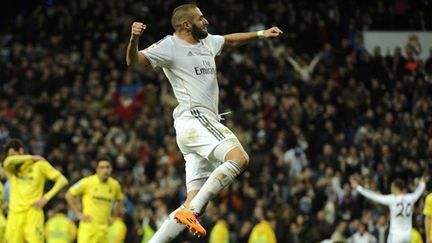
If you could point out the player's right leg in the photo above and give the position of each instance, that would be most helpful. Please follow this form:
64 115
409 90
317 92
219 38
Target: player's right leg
170 229
187 218
15 227
34 226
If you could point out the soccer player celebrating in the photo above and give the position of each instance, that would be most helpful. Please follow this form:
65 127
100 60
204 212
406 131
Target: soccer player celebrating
27 175
401 207
214 156
98 193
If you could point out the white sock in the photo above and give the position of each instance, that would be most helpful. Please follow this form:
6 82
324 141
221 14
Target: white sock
221 177
169 230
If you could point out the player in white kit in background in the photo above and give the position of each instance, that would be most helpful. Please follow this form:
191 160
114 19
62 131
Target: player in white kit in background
188 60
401 207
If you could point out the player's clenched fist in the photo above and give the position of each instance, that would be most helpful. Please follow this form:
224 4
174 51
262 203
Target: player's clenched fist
137 29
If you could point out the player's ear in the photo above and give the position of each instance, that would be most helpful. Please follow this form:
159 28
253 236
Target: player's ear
186 25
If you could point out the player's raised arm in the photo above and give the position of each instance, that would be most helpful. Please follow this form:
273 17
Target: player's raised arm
418 191
238 39
13 161
383 199
133 56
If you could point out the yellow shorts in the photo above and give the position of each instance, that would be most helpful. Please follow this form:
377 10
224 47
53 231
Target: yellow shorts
92 233
25 226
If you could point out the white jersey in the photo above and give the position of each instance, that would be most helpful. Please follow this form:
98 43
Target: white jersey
401 206
191 70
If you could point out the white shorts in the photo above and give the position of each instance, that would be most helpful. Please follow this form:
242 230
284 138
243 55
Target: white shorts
198 134
399 237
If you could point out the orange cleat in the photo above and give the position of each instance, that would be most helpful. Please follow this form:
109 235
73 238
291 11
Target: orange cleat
190 219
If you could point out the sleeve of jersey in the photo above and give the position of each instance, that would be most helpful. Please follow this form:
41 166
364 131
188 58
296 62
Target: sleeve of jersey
428 205
383 199
418 192
78 188
11 162
159 54
119 193
216 42
48 170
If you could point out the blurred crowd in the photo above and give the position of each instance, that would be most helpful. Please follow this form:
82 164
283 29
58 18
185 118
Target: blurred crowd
66 92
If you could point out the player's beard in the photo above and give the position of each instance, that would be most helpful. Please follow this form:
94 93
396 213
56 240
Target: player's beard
198 33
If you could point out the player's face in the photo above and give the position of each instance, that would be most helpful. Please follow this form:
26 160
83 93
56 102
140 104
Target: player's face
104 170
199 25
12 151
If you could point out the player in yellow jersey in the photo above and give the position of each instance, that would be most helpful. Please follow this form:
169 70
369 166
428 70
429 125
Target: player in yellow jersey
2 217
220 232
263 231
27 175
416 236
98 194
59 228
427 211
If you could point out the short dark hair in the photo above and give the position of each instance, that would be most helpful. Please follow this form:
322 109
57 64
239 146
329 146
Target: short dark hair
399 183
180 14
103 159
13 143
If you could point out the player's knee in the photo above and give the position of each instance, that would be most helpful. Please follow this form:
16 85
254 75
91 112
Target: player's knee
245 159
238 155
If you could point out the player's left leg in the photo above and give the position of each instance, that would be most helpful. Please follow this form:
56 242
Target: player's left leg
235 161
34 226
169 230
202 136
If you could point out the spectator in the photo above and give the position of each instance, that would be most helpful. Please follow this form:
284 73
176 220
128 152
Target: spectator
362 236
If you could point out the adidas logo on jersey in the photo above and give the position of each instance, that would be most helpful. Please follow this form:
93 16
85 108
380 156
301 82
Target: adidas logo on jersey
190 54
